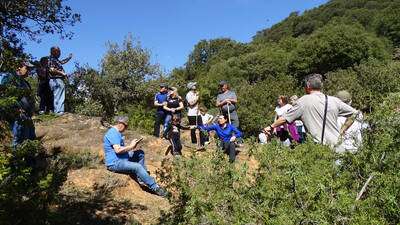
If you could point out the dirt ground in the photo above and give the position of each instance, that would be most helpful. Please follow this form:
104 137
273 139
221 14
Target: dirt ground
75 134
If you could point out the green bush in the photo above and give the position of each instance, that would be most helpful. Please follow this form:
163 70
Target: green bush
309 184
29 181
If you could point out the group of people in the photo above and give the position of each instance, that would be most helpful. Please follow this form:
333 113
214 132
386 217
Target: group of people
328 120
51 90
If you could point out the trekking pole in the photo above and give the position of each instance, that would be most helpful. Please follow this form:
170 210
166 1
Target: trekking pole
229 113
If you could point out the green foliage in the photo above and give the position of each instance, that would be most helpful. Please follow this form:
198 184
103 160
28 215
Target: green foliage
29 182
122 79
304 185
336 46
369 82
141 118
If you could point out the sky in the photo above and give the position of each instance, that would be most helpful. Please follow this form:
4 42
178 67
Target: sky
168 28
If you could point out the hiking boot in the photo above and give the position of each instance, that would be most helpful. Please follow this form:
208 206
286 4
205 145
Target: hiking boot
160 192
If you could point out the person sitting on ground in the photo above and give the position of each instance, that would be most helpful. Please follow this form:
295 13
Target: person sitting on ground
160 99
352 138
127 159
206 120
173 107
57 77
174 135
44 91
194 118
227 134
319 114
226 101
22 126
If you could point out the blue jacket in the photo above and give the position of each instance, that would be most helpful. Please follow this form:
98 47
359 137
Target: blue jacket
224 134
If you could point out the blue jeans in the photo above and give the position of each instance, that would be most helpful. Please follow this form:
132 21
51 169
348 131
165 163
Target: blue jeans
58 88
135 165
22 129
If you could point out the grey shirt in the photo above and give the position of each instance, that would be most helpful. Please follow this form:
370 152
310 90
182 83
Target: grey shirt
310 109
227 95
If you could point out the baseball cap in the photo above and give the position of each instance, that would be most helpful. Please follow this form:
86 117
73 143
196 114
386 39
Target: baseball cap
344 95
190 85
163 85
122 119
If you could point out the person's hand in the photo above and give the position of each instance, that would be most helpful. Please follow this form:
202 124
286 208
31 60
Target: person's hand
193 127
233 138
173 110
164 103
134 142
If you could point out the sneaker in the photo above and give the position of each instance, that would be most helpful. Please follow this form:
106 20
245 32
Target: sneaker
160 192
41 112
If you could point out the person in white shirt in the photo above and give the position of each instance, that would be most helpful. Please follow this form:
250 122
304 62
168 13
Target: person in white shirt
207 119
352 138
194 118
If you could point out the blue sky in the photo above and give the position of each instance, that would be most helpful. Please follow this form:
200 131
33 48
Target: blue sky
168 28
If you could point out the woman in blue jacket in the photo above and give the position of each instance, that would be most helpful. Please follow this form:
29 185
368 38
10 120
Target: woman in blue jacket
227 134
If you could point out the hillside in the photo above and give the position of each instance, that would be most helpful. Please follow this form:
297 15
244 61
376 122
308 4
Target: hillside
94 195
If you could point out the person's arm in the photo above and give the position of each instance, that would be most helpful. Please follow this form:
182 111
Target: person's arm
64 61
180 106
210 119
207 127
233 99
165 107
350 113
236 134
122 149
56 72
156 103
291 115
349 121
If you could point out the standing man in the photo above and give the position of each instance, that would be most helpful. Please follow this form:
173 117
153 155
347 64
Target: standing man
194 117
319 114
22 126
226 101
57 77
127 159
160 99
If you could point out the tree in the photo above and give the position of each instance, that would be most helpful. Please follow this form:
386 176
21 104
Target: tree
31 18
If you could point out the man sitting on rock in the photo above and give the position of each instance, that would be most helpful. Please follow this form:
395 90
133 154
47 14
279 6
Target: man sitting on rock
127 159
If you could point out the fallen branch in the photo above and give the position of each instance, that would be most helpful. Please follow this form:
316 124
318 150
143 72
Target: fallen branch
364 188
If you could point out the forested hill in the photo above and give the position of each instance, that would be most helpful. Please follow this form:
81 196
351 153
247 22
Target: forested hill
351 42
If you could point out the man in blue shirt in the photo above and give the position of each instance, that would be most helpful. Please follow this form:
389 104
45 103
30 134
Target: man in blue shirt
126 159
160 99
22 126
227 134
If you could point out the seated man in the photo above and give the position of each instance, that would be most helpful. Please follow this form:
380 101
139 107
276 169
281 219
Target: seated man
126 159
227 133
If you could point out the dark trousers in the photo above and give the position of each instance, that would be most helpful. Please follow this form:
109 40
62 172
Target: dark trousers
46 97
159 119
229 149
192 121
175 139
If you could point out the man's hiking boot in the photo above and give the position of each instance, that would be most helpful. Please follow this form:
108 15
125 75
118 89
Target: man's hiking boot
160 192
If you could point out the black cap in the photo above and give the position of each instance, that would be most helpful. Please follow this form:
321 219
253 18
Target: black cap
163 85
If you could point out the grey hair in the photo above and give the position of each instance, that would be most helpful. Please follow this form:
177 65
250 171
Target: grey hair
314 81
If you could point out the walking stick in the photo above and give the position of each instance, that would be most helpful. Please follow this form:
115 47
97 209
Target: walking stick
229 113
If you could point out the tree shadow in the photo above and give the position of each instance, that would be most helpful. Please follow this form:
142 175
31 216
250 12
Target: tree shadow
93 207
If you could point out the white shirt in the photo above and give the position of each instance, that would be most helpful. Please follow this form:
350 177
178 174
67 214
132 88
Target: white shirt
206 118
191 97
352 138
